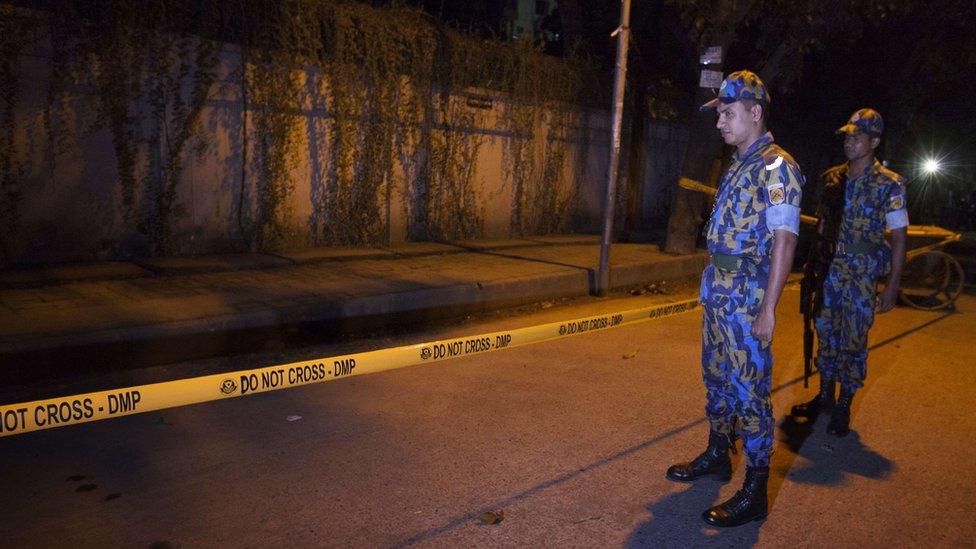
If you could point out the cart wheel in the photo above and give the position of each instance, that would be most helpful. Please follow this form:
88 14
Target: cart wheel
931 281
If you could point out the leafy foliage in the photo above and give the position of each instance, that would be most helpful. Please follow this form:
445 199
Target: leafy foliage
16 29
387 77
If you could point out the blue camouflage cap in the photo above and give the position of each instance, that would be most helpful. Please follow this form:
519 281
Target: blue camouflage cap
868 121
739 85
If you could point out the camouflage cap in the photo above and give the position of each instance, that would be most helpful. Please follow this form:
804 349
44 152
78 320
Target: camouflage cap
739 85
868 121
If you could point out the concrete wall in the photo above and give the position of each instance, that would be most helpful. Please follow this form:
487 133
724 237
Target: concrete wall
71 205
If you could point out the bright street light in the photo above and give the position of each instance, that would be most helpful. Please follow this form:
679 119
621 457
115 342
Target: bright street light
931 166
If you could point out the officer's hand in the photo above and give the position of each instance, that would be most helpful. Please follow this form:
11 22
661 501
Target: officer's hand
887 299
762 328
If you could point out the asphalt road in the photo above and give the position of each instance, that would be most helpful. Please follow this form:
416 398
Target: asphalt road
569 439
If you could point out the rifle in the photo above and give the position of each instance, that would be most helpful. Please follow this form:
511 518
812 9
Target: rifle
811 299
811 289
818 262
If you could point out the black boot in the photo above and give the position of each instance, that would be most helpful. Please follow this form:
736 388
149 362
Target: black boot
823 401
747 505
840 420
713 462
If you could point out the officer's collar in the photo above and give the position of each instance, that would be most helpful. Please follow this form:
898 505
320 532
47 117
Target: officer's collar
757 145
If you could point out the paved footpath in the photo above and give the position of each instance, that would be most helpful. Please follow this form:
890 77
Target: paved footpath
104 303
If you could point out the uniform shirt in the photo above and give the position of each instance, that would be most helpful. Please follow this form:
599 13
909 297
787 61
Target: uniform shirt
874 200
759 193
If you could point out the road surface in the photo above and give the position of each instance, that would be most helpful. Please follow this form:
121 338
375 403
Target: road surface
570 439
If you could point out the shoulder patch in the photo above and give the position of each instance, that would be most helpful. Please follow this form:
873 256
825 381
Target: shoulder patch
897 202
834 171
835 175
770 153
892 176
770 166
774 154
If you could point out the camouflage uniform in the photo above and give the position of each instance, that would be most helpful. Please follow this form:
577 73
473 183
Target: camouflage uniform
871 202
759 194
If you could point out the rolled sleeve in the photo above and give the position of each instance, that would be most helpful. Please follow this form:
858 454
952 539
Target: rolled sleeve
896 219
783 216
896 214
784 190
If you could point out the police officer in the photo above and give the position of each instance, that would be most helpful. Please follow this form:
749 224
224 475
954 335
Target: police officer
751 238
860 200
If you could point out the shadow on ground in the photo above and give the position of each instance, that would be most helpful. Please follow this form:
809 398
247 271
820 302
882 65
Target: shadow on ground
826 460
676 517
676 521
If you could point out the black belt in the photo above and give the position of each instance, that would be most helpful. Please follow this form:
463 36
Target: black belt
728 262
857 248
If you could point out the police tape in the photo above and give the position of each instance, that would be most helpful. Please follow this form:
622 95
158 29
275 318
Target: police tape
83 408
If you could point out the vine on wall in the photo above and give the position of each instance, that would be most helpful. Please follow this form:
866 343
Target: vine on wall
388 77
176 99
151 72
281 39
553 103
378 71
17 28
452 205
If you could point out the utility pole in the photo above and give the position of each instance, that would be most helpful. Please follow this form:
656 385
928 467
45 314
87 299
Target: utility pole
620 78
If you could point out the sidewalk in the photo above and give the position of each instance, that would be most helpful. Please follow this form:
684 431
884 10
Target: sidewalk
108 303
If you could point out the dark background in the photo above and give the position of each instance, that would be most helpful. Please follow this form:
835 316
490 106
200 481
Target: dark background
912 61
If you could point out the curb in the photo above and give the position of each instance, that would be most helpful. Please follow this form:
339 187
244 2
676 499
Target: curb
334 317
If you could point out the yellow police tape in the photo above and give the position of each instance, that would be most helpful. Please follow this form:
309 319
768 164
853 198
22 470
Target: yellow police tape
71 410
